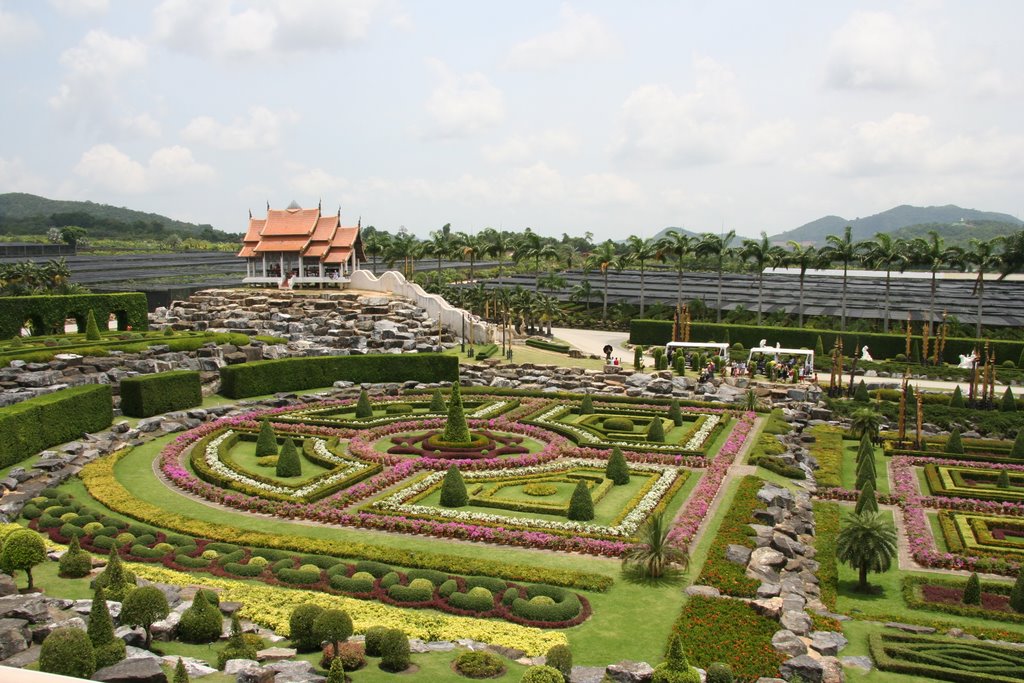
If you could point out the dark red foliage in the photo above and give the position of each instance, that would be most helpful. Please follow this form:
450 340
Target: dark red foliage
955 596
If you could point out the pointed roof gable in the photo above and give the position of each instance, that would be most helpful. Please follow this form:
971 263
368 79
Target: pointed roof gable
305 232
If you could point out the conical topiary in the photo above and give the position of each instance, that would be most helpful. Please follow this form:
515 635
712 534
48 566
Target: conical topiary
972 591
437 404
617 469
201 622
180 675
101 625
581 505
656 431
115 579
675 414
75 563
288 463
363 407
957 400
587 405
911 400
865 473
266 442
453 489
1009 403
676 668
866 501
455 429
1018 446
1004 480
92 330
861 393
1017 594
915 353
953 444
866 448
638 358
819 348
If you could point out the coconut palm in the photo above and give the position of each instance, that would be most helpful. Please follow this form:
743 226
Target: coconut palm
763 255
678 245
842 249
531 245
548 309
375 243
982 254
717 247
499 244
655 551
583 291
884 252
471 247
603 258
1013 254
803 258
642 251
866 420
441 244
866 542
932 252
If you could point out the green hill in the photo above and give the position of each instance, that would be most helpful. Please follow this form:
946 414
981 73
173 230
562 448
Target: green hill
958 224
28 214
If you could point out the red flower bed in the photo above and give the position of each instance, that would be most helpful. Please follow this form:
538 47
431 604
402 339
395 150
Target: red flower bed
730 631
946 595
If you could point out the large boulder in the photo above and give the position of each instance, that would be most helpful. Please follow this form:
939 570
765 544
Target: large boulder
629 672
788 643
140 670
15 637
796 621
805 666
30 607
828 643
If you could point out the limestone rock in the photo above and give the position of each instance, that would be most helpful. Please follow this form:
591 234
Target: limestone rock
139 670
828 643
704 591
805 666
788 643
629 672
233 666
796 621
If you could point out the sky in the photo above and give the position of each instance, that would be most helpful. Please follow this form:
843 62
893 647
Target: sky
614 118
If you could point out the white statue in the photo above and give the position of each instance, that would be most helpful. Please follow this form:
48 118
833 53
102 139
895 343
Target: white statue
967 362
764 342
865 354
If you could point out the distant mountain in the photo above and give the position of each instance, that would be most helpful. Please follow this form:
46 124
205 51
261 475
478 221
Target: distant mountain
665 231
957 222
28 214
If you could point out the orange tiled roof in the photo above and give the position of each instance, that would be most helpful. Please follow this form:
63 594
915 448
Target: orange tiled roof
281 244
316 250
302 231
248 251
298 222
337 255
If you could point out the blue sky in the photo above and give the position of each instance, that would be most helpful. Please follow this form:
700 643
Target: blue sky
609 117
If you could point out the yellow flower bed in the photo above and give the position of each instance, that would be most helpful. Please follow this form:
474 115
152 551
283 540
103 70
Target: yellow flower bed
271 606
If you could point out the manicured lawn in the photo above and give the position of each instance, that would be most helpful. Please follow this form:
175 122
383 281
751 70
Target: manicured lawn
383 444
244 455
527 354
940 538
849 471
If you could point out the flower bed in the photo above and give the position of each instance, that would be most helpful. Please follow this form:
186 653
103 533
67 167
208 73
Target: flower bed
976 483
942 594
486 444
729 577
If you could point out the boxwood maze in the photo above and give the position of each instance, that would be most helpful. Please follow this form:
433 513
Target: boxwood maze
974 482
949 659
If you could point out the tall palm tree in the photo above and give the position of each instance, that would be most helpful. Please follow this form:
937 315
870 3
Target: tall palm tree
642 251
803 258
983 255
441 244
603 258
471 247
717 247
499 244
582 292
842 249
885 252
678 245
763 255
867 543
656 550
375 243
531 245
548 309
1013 254
933 253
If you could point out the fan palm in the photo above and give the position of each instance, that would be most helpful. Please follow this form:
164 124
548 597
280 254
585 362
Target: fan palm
866 421
866 542
717 247
642 251
763 255
885 252
842 249
655 551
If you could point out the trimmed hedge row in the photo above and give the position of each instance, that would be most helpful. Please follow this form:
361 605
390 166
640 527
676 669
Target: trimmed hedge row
547 345
30 426
163 392
48 312
921 656
294 374
659 333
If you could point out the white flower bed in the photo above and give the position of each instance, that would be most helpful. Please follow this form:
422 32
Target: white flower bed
696 441
549 418
627 527
348 468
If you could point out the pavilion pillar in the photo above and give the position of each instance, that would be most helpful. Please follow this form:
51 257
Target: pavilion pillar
264 264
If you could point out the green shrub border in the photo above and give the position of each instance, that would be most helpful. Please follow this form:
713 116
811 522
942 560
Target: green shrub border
149 395
884 647
38 423
913 598
547 345
48 312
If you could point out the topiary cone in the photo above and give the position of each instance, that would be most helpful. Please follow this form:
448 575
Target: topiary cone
617 469
866 501
1009 403
456 430
957 400
581 505
363 406
92 330
675 413
656 431
288 463
954 444
453 489
437 404
972 591
266 442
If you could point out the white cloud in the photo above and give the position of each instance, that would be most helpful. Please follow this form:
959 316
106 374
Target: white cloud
463 104
878 51
216 28
316 182
526 147
141 125
16 30
261 130
79 8
580 36
106 166
94 66
16 177
710 124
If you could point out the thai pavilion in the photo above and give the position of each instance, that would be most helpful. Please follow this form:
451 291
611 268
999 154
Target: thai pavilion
296 246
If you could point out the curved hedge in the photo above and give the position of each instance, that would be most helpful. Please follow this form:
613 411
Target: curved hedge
38 423
163 392
294 374
48 312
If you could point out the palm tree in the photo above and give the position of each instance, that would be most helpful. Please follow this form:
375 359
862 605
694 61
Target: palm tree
499 244
841 249
982 255
678 245
885 252
375 243
866 420
867 543
1013 254
603 258
717 246
548 309
582 292
655 551
472 247
642 251
532 245
441 244
763 255
803 258
933 253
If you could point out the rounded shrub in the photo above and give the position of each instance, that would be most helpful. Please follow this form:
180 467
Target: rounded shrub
352 655
477 599
418 590
389 579
378 569
479 665
209 555
31 511
453 489
240 645
332 626
309 568
560 657
363 584
372 640
258 561
542 600
542 674
300 626
142 607
92 528
719 672
67 652
298 576
75 563
398 409
109 654
394 651
201 622
447 588
267 461
540 489
510 595
22 549
618 424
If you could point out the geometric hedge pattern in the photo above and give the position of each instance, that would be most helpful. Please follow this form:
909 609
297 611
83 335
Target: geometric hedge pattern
973 482
951 659
979 534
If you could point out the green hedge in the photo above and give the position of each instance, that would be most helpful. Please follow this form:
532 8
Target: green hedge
943 658
294 374
659 333
548 345
48 312
38 423
160 393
